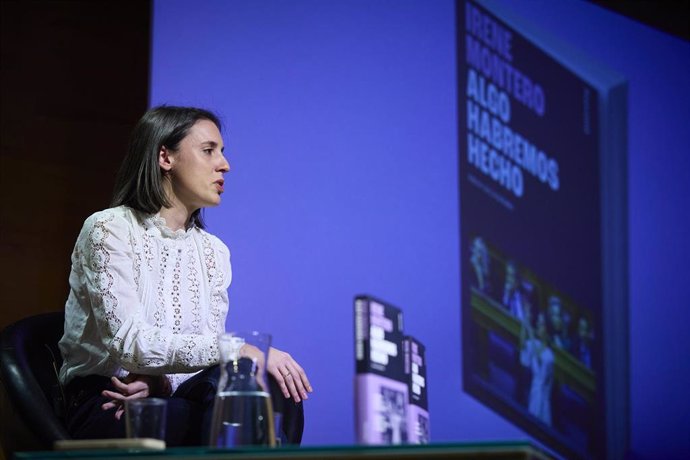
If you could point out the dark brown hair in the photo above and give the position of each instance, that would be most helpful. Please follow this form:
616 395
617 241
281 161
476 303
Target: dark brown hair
139 182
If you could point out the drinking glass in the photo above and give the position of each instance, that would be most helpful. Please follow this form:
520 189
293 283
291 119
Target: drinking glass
145 418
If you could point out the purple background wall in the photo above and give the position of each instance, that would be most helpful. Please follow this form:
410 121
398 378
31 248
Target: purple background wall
340 125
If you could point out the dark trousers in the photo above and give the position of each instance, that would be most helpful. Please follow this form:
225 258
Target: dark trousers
188 413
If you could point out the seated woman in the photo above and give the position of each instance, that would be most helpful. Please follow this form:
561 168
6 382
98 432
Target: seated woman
148 287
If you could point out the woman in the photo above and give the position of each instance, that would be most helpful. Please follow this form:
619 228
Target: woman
536 354
149 287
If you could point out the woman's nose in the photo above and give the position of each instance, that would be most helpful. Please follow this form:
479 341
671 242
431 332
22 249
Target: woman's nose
224 165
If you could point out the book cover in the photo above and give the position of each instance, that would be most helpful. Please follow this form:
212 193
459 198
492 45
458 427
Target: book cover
543 237
418 427
381 391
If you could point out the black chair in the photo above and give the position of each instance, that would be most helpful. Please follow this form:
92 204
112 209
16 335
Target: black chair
32 400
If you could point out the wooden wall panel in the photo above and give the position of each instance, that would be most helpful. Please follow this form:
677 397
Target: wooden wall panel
73 81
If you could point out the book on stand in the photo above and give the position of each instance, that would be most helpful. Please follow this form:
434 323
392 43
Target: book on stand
418 403
381 389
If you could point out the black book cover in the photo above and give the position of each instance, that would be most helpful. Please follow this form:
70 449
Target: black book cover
381 391
418 426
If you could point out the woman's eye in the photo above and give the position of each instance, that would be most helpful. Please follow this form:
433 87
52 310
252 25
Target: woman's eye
209 151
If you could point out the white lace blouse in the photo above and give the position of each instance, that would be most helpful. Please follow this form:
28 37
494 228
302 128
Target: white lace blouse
143 298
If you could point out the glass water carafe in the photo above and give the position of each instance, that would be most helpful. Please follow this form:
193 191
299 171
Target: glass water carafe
242 411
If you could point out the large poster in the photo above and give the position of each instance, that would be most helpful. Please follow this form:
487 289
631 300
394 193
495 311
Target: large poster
535 126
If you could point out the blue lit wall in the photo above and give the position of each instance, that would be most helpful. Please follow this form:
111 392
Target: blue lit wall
340 124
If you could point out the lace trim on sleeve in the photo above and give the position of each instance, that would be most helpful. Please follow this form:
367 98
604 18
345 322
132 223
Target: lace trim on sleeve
137 260
100 262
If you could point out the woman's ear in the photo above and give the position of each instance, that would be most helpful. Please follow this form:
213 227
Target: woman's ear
165 160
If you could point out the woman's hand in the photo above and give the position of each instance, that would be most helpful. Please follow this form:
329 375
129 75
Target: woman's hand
289 374
134 386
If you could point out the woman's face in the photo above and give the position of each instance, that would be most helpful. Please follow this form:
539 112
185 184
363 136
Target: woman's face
196 168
